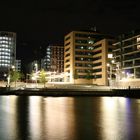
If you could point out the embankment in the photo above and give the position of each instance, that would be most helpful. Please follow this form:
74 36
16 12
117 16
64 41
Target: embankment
73 92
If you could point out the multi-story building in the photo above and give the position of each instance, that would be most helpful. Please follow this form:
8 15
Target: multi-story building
54 59
46 62
7 51
86 55
34 66
18 65
127 59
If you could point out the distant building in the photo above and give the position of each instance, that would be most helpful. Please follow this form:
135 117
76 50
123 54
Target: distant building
127 59
46 62
18 65
86 55
34 66
54 59
7 51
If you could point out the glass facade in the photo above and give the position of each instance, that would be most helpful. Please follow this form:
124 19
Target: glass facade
7 51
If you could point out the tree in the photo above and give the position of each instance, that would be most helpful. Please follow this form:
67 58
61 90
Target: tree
42 77
89 75
22 76
15 76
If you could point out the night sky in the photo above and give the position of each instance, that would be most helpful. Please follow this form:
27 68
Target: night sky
40 23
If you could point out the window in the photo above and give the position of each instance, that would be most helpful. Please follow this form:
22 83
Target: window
97 76
97 70
67 49
90 47
97 52
90 41
67 66
137 72
81 41
97 46
67 44
97 58
110 55
67 60
67 38
97 64
67 54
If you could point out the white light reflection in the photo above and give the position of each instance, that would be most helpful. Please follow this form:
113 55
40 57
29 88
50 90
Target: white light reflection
35 117
109 120
115 118
9 109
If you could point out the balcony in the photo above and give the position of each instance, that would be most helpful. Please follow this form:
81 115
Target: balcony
128 65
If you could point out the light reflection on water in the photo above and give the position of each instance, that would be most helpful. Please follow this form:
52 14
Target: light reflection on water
51 118
69 118
8 117
112 117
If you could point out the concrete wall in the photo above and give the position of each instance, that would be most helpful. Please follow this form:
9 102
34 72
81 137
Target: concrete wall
133 83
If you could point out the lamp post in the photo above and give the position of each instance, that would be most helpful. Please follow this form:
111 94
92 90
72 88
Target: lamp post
9 77
110 71
8 80
36 67
118 71
36 70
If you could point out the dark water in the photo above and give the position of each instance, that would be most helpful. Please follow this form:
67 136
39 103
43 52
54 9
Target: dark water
69 118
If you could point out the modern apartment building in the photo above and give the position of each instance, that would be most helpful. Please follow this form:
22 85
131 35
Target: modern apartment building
7 51
127 58
54 59
86 55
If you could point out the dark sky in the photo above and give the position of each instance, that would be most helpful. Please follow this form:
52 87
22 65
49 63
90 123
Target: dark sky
39 23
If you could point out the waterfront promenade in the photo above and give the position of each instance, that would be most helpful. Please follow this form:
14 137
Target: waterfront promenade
69 90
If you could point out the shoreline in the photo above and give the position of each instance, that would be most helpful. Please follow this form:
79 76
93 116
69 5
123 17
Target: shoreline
135 93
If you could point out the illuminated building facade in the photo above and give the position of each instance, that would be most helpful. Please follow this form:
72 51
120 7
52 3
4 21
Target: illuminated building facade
86 55
46 62
127 58
7 51
54 59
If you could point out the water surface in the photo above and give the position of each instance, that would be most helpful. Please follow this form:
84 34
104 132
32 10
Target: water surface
69 118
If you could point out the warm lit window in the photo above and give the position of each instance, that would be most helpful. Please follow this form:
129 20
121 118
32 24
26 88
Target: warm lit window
110 55
138 39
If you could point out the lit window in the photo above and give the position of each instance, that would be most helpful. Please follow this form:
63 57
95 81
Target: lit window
90 48
138 47
110 55
90 42
138 39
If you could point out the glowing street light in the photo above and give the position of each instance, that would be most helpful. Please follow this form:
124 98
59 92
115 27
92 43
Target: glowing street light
36 67
13 67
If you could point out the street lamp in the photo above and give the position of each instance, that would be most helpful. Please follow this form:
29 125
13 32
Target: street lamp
36 70
13 67
9 77
36 67
110 71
